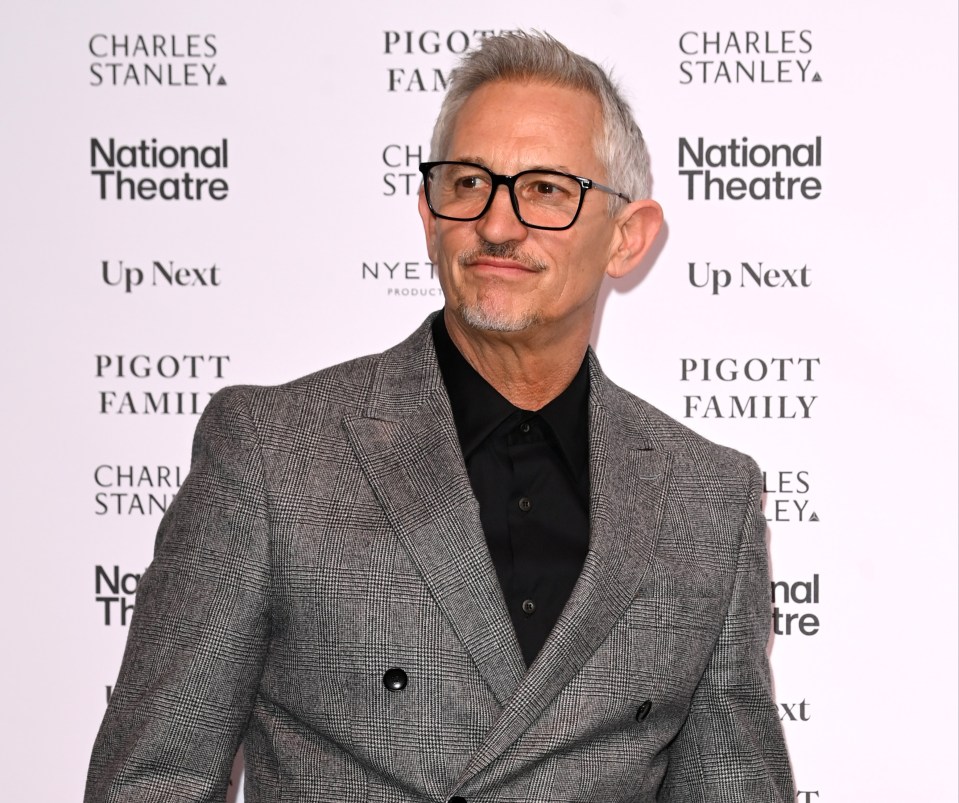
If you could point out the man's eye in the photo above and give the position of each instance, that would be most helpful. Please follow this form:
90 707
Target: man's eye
546 188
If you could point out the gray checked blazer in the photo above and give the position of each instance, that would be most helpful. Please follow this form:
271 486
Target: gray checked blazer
327 533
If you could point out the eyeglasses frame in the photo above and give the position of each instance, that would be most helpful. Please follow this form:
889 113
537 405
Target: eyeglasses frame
510 183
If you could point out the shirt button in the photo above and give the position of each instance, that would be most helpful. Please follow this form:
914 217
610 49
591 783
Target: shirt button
525 504
524 427
529 607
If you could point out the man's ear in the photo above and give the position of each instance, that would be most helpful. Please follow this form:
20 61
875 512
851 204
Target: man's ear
637 225
429 223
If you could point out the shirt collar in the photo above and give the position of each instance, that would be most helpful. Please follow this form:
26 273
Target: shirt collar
478 408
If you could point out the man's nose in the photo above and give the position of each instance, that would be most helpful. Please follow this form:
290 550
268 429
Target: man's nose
500 223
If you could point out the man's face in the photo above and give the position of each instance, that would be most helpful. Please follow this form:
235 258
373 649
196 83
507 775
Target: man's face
496 273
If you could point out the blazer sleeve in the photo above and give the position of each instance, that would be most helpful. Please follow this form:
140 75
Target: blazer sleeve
199 632
731 748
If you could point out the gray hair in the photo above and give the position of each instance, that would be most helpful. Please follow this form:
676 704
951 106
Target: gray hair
538 56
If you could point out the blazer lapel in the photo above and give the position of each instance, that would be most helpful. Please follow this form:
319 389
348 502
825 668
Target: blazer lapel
627 482
414 464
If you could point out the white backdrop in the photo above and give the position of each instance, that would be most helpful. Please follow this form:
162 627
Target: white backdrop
837 311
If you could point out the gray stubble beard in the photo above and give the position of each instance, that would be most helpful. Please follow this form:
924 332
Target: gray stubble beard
476 315
478 318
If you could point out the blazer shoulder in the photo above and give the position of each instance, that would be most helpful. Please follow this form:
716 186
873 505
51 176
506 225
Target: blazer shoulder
399 377
689 450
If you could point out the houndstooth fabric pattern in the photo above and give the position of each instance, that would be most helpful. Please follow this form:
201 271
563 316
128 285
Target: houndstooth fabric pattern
327 532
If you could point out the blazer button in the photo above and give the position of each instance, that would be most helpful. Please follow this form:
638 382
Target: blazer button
395 679
643 711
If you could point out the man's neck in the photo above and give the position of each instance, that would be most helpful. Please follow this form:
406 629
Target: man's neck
530 368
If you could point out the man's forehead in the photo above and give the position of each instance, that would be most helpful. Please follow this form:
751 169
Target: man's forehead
533 124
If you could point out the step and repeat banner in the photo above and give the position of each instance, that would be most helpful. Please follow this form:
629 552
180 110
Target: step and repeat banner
203 194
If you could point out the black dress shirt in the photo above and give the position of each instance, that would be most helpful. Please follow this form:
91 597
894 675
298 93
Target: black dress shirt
530 473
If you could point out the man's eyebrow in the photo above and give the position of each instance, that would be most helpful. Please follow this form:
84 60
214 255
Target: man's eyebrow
559 168
479 160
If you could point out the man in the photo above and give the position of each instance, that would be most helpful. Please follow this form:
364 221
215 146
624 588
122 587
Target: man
471 567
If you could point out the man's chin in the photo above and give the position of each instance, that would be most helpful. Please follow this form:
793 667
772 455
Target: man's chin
481 317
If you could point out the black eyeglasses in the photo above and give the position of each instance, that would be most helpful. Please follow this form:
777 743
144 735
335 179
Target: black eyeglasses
542 199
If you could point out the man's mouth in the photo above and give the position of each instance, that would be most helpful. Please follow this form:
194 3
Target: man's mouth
500 258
